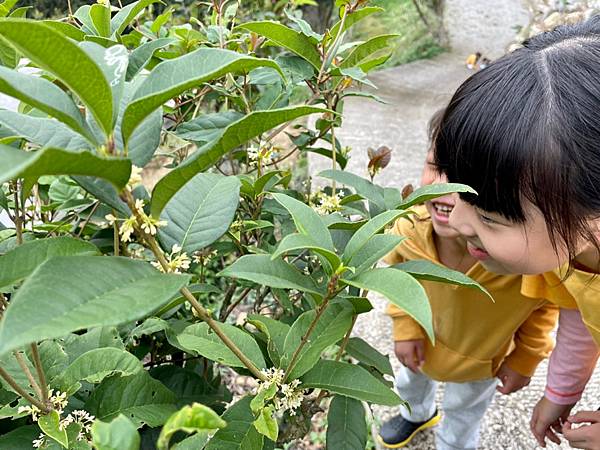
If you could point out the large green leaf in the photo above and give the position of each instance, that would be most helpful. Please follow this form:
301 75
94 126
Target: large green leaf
45 96
401 289
100 337
275 332
261 269
239 434
349 380
207 127
138 397
364 51
65 28
17 264
195 418
200 212
104 192
172 77
303 242
199 339
431 191
106 291
236 134
333 324
427 270
15 163
362 351
97 364
362 186
20 438
353 18
367 231
56 53
43 131
375 249
307 221
126 15
139 57
119 434
285 37
100 15
346 424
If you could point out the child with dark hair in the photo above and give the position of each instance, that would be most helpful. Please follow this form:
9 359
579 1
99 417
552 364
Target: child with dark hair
477 341
532 152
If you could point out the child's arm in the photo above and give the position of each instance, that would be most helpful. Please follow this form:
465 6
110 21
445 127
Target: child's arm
572 361
409 338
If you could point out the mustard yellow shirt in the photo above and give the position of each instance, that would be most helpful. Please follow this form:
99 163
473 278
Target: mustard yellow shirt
473 334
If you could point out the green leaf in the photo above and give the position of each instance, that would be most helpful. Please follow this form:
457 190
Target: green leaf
367 231
339 159
142 55
100 337
364 51
362 186
6 6
45 96
331 326
401 289
62 190
275 331
43 131
95 365
427 270
266 424
195 418
236 134
207 127
307 221
240 433
103 191
305 242
100 16
138 397
258 402
50 426
200 212
20 438
66 29
172 77
17 264
362 351
15 163
57 54
199 339
285 37
119 434
106 291
431 191
375 249
127 14
351 381
354 17
261 269
346 424
194 442
53 358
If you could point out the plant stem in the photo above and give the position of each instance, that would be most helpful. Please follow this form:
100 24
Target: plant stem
200 310
19 390
18 219
28 373
40 372
116 243
346 339
88 218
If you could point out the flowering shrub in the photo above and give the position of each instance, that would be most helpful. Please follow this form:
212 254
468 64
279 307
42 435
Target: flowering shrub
124 313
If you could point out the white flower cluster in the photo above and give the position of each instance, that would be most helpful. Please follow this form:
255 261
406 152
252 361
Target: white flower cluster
177 262
291 395
325 204
265 152
135 178
148 224
203 257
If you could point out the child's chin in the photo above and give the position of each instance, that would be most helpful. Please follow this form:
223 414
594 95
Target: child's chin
444 231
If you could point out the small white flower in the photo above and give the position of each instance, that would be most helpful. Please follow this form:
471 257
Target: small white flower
176 248
135 178
32 411
40 442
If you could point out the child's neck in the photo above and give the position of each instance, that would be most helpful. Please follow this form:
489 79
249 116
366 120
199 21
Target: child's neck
453 254
588 260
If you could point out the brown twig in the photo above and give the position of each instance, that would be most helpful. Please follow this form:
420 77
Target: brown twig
28 374
19 390
37 362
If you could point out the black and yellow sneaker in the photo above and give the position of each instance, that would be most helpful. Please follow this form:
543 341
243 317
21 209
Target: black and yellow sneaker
398 432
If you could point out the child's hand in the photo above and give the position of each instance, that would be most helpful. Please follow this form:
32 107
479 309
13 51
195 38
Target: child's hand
411 353
587 436
512 381
546 420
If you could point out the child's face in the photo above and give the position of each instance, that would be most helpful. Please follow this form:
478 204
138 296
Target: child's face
439 209
507 247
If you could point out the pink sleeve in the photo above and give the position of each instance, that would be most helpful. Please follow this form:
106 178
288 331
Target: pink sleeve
572 361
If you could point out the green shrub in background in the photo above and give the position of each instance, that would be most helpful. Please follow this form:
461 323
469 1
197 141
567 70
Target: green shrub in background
125 313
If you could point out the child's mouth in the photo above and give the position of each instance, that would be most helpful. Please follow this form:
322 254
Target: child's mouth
477 252
442 211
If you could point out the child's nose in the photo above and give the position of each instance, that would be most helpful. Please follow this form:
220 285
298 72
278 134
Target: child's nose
461 218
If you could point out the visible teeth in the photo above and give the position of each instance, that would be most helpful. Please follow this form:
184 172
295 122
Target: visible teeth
443 208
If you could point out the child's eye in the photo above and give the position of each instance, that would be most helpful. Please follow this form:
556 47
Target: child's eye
486 219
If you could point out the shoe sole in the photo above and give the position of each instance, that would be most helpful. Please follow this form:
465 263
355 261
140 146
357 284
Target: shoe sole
430 423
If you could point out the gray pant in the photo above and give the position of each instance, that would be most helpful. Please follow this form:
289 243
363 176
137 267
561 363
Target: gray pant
464 405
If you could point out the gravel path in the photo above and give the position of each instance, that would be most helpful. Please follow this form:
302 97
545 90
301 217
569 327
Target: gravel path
414 92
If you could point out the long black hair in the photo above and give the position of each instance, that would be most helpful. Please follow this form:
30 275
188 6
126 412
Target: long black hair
527 128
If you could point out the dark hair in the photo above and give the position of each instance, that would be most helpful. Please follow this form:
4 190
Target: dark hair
434 124
527 127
